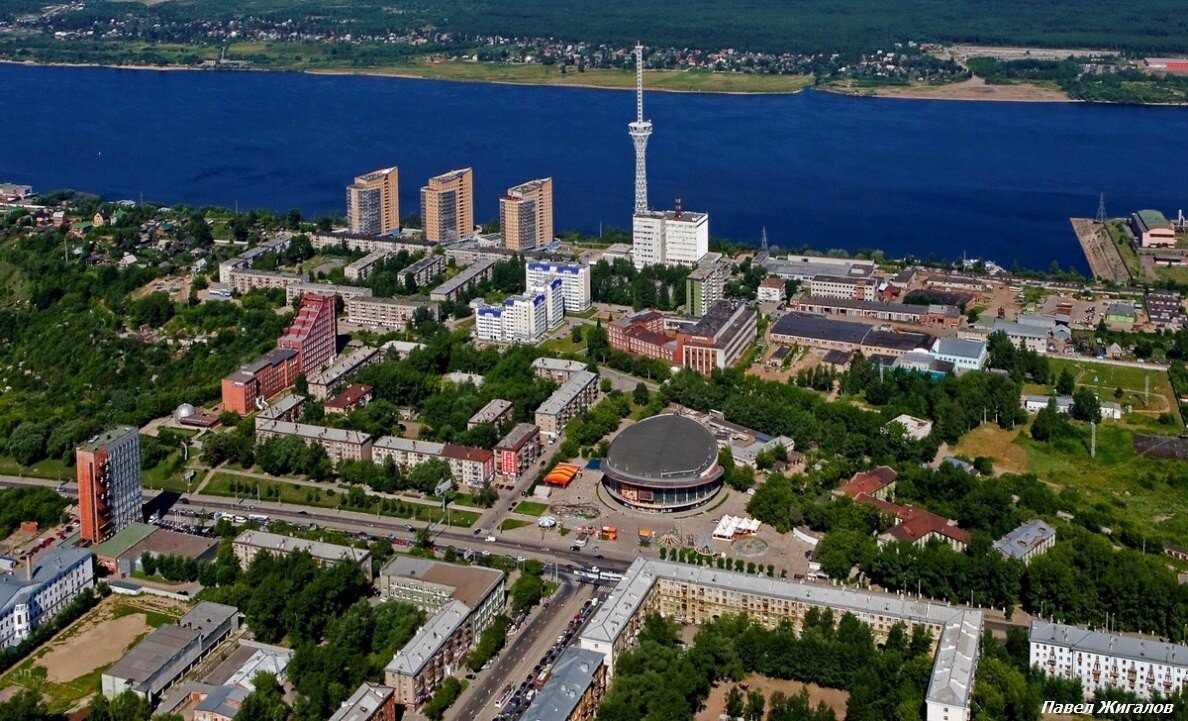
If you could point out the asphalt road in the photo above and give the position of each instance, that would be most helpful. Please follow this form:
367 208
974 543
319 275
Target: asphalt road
549 549
530 643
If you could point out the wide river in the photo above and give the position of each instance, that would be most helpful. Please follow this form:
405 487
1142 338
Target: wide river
996 180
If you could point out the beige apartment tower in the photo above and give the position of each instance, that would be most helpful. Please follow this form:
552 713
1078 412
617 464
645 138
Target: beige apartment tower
447 205
526 215
373 202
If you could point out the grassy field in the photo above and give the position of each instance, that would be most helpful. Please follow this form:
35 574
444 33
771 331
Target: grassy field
1104 380
296 494
1178 274
88 647
1121 240
674 80
51 468
1118 481
531 508
511 524
563 345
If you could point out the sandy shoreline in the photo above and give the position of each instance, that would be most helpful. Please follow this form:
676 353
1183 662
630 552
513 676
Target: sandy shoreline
974 89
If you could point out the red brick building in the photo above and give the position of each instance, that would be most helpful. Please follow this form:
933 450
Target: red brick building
261 379
642 334
307 345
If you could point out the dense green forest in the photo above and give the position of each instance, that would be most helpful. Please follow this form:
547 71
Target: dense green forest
804 26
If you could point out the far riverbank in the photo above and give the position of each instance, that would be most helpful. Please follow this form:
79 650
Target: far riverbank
664 81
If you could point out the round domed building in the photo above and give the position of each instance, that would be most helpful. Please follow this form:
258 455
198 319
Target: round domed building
664 463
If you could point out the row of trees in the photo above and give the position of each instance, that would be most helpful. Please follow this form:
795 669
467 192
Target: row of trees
661 680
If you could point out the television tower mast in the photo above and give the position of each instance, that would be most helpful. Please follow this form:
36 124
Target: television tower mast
1101 211
640 131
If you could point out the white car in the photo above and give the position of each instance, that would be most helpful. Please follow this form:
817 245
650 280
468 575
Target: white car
490 539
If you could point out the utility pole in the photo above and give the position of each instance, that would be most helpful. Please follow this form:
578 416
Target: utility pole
1092 439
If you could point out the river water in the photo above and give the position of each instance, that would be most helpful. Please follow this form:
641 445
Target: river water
990 179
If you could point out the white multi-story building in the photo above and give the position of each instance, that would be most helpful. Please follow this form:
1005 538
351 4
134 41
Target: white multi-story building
965 355
1142 666
340 444
698 595
32 597
838 286
669 237
469 466
574 277
522 318
392 313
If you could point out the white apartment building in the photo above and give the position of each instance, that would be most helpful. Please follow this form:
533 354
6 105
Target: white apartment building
340 445
35 594
697 595
840 286
669 237
522 318
574 397
394 313
470 466
244 280
965 355
294 291
1142 666
574 277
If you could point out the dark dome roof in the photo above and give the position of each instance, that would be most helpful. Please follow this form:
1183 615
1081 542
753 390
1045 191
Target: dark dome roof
665 448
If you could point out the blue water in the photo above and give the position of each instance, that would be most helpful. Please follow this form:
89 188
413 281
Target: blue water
997 180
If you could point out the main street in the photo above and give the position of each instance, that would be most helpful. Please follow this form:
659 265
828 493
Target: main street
549 550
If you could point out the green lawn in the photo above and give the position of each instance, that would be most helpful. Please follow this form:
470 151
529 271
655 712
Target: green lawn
531 508
562 346
299 495
1118 481
510 524
51 468
1104 379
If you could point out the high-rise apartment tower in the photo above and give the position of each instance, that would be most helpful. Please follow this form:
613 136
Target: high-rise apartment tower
447 205
526 215
373 202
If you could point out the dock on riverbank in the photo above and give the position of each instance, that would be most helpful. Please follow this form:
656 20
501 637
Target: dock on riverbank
1104 259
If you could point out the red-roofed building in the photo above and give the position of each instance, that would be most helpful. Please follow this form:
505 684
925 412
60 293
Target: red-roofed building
642 334
918 527
471 466
877 483
355 396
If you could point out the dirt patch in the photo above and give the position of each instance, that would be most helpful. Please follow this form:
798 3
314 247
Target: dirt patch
996 443
99 645
977 89
715 705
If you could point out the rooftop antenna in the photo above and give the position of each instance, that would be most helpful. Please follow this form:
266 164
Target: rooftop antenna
1101 213
640 130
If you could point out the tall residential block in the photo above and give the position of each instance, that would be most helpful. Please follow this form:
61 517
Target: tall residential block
373 202
574 277
705 285
313 333
108 472
669 237
526 215
447 205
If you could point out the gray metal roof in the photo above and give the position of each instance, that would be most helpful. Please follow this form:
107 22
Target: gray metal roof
466 276
1024 539
1132 648
316 433
275 542
957 649
667 446
429 639
363 702
805 325
571 676
959 347
567 392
